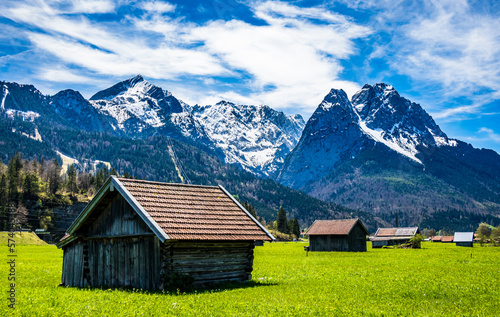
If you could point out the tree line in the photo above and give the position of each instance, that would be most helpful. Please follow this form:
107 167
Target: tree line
30 189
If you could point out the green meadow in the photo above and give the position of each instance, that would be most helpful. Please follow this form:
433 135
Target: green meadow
437 280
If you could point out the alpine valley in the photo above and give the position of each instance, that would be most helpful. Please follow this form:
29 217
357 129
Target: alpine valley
377 156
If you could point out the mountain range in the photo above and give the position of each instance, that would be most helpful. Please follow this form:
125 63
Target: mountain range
378 152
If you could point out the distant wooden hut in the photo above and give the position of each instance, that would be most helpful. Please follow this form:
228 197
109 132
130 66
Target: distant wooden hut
436 238
139 234
447 239
393 236
337 235
464 239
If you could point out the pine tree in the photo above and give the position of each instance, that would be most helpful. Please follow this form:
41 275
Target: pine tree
72 185
282 222
54 177
14 175
4 196
296 228
31 187
250 209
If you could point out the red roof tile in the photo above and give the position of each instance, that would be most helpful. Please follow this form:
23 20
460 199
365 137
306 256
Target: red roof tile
332 227
189 212
447 239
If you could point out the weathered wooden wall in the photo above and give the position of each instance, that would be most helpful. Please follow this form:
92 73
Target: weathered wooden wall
209 262
354 242
388 242
115 248
328 243
117 219
357 239
72 274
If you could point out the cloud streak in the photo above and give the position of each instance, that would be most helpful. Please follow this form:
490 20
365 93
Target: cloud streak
290 60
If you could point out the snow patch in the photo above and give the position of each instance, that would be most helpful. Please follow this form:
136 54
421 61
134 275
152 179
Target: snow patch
404 146
5 93
26 115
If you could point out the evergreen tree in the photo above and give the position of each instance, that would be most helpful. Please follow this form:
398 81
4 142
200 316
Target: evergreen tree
296 228
14 175
72 185
31 187
282 222
54 177
4 196
101 177
250 209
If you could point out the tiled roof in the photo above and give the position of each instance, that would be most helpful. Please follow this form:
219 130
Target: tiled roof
447 239
331 227
396 232
436 238
189 212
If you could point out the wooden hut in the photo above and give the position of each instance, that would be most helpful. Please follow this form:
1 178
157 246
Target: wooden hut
337 235
436 238
393 236
464 239
140 234
447 239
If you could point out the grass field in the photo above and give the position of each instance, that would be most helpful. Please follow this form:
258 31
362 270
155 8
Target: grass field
437 280
21 238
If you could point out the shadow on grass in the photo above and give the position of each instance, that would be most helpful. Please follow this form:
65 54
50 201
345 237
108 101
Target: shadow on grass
197 289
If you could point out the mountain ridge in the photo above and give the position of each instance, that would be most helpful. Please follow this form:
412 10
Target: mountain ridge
379 151
376 152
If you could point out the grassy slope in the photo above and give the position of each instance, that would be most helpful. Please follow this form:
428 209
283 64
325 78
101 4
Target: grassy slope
438 280
21 238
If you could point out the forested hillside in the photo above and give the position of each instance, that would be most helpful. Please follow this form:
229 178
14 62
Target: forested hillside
35 188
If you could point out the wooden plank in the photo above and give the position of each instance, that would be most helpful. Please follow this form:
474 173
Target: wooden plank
223 244
210 250
221 275
208 256
220 280
208 269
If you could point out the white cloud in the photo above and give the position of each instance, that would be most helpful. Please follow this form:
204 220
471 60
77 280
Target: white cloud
62 75
293 61
450 47
447 113
299 58
157 6
489 134
92 6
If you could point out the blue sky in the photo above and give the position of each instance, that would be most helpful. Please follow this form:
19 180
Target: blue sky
444 55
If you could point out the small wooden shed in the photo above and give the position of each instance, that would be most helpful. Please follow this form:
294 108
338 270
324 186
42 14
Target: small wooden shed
393 236
139 234
464 239
337 235
447 239
436 238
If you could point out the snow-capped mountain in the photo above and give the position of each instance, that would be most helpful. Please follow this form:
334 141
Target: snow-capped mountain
77 110
136 105
400 124
378 152
257 138
331 134
340 129
382 153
